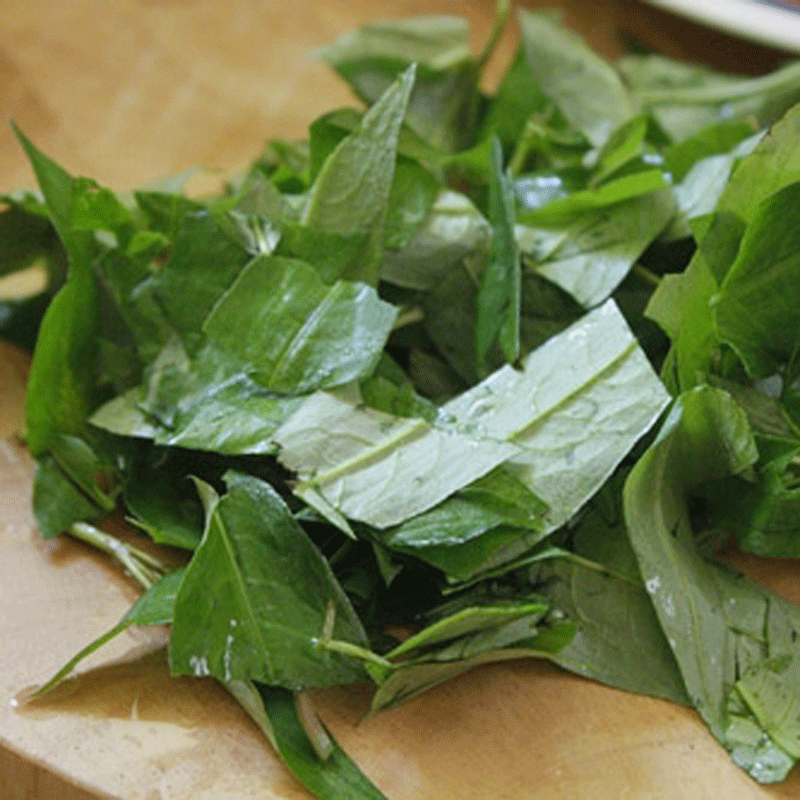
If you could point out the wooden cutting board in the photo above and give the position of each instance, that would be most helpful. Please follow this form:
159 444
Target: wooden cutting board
130 91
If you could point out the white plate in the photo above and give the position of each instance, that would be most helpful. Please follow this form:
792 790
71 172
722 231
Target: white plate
772 22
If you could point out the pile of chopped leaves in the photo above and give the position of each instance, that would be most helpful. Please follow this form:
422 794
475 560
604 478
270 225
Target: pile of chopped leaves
506 371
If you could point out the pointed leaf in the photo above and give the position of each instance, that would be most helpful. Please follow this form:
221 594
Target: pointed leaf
697 602
351 192
254 597
586 88
291 333
499 295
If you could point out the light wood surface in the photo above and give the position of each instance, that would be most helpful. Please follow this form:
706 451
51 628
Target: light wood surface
136 89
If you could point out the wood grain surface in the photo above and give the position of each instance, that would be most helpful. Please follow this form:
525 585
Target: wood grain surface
134 90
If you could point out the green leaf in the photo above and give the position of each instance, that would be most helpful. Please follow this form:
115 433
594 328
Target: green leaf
450 310
414 191
61 387
701 188
290 333
522 637
454 229
125 279
58 501
165 507
203 404
756 310
715 140
592 255
204 263
90 473
572 427
123 416
499 295
351 193
389 389
154 607
59 190
565 209
707 437
275 711
331 254
683 304
686 98
462 532
375 467
466 622
586 89
443 106
624 145
166 212
96 208
440 42
384 470
618 640
253 601
517 98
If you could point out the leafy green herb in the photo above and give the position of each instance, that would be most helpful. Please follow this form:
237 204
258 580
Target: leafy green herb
411 367
259 621
499 295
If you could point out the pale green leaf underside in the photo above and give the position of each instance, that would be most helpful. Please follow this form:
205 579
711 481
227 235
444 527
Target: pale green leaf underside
562 430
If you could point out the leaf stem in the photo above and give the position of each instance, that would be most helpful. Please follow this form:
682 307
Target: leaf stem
404 431
325 642
784 78
145 568
408 316
78 657
353 650
523 148
646 275
500 18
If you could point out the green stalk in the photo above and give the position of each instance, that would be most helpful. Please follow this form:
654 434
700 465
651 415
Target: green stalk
784 78
145 568
500 19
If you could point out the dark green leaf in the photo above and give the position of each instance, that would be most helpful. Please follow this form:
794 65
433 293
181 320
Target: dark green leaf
26 237
276 713
165 506
499 295
290 333
253 602
756 310
351 192
517 98
204 263
57 500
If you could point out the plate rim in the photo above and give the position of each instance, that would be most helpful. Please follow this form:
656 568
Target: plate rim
757 20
